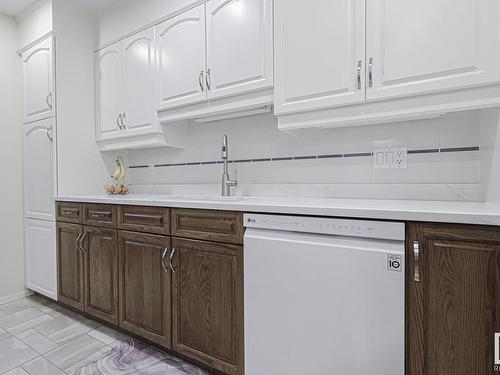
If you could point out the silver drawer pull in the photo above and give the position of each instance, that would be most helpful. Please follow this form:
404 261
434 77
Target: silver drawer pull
143 216
100 215
416 259
68 212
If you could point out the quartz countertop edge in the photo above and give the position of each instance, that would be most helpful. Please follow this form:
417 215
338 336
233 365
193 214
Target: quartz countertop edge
403 210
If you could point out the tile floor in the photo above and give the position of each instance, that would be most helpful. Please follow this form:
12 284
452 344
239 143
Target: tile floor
38 337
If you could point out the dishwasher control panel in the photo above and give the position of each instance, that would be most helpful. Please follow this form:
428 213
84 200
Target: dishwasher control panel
386 230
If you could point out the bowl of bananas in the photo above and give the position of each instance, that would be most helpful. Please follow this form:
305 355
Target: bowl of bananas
118 187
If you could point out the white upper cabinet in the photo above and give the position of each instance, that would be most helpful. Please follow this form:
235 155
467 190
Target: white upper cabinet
181 59
419 47
39 167
138 59
108 92
125 94
239 46
38 81
319 53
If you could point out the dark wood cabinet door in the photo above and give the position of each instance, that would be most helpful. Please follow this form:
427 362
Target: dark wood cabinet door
453 299
145 286
207 297
101 273
70 265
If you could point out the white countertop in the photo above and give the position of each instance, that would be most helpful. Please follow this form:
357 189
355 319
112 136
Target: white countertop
405 210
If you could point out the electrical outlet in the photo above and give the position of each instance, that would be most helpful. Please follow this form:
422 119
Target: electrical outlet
390 157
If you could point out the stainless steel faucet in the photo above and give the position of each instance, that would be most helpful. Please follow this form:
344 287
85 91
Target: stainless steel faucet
226 182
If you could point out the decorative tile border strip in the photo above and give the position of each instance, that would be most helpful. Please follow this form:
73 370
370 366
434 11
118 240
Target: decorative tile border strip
309 157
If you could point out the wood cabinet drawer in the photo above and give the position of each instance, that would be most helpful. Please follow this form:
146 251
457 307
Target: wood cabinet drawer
219 226
69 212
144 219
101 215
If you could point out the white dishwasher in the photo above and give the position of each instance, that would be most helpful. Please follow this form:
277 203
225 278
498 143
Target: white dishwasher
323 296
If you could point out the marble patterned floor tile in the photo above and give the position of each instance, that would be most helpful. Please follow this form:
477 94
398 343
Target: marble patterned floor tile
131 356
36 302
17 371
40 366
13 353
22 320
74 352
106 335
65 329
37 341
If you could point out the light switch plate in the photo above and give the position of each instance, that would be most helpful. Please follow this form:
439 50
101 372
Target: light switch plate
390 157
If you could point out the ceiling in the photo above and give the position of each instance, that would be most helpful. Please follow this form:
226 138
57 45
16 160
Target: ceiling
13 7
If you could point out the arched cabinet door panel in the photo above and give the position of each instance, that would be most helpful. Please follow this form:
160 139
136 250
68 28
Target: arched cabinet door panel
39 100
239 46
138 67
39 167
108 92
181 59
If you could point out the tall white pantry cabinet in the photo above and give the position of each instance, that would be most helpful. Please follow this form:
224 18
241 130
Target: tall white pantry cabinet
40 167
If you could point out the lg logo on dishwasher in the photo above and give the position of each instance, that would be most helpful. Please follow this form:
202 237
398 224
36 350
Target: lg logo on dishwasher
394 262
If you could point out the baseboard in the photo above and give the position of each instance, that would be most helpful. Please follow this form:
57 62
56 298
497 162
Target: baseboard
15 296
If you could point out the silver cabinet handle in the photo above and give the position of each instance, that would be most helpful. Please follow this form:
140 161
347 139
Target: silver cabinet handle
208 79
416 259
49 103
200 81
163 255
77 243
370 72
81 242
118 121
123 117
49 134
172 253
360 65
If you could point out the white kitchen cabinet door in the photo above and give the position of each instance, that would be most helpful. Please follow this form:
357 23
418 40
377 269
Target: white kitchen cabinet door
39 167
38 81
138 73
239 46
181 59
319 53
108 92
424 46
40 257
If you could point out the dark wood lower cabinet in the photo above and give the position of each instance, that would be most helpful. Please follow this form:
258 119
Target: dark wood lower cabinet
187 297
207 297
453 299
145 286
70 265
101 273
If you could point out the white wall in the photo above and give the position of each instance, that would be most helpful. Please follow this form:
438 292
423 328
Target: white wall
132 15
34 22
81 169
11 192
430 175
